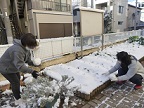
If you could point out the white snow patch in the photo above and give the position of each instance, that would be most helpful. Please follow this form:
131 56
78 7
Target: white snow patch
28 80
36 61
7 92
2 83
52 74
87 72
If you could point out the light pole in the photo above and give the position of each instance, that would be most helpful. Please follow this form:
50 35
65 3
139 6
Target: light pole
135 16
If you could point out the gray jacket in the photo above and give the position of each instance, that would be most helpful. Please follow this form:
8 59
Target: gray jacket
14 59
134 68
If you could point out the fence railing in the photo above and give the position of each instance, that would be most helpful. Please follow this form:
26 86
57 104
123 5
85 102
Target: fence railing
115 37
87 42
99 40
51 48
49 5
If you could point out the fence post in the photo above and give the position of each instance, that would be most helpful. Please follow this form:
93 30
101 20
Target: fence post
81 46
92 41
75 44
102 41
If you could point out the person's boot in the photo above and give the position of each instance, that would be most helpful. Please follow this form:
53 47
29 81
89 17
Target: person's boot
136 87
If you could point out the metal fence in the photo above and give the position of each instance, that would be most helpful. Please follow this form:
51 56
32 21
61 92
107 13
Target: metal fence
115 37
87 42
51 48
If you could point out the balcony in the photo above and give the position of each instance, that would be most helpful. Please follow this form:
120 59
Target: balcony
48 5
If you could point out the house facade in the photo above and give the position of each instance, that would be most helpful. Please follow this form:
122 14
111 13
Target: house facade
119 12
140 4
51 19
133 17
43 18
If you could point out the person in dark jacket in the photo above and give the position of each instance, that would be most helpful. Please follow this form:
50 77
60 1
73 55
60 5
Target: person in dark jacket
12 62
129 68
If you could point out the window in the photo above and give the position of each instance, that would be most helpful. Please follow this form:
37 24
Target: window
138 12
142 4
120 22
121 9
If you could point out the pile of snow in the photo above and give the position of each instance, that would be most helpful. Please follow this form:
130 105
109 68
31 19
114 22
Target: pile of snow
87 72
36 61
38 92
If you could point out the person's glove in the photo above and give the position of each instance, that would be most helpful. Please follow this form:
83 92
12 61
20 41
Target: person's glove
113 77
35 74
105 73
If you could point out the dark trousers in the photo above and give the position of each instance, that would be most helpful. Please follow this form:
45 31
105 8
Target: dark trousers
14 79
136 79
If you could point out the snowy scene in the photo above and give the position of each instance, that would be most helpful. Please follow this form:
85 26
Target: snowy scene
84 75
71 53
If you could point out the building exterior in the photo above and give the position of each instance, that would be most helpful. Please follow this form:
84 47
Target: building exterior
119 12
132 17
88 21
140 4
43 18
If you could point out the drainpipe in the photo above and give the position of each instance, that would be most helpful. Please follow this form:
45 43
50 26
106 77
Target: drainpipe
4 6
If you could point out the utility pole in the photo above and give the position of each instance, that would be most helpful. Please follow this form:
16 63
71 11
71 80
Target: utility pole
92 3
135 24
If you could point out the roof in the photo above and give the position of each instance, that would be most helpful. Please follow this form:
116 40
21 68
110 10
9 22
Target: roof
88 9
134 6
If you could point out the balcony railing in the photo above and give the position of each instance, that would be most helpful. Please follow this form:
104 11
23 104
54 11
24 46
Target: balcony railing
48 5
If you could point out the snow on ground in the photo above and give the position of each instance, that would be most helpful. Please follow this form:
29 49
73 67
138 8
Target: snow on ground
87 71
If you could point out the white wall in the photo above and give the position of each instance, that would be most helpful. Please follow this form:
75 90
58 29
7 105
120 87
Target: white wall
91 23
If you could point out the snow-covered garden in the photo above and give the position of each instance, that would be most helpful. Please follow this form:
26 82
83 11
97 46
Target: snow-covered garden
83 75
